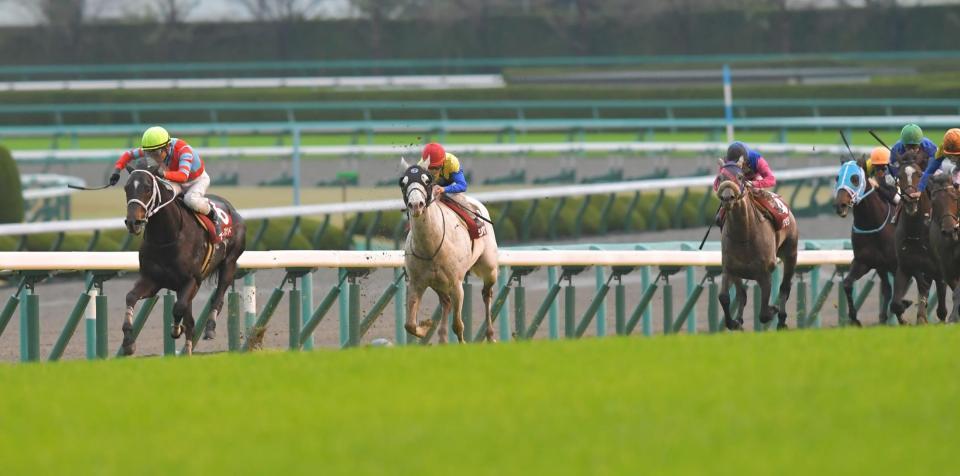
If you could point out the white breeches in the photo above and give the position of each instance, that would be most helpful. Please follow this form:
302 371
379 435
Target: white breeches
194 192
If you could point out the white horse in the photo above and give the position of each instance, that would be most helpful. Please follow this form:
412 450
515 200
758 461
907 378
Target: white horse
439 253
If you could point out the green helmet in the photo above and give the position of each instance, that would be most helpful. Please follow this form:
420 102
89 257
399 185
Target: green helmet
911 134
154 138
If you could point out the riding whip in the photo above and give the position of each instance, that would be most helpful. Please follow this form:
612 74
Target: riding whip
874 134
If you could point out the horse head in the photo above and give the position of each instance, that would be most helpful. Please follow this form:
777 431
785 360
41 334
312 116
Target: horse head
416 185
730 182
944 195
851 187
146 195
912 164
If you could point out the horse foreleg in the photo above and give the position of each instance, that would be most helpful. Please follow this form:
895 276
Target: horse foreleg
886 293
941 300
956 304
901 281
857 270
444 326
141 289
457 302
741 299
923 293
183 315
413 306
724 299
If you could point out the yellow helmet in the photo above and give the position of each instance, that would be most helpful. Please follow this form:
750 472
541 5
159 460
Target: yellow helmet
880 156
154 138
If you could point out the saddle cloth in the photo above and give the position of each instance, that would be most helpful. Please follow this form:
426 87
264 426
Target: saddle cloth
205 222
475 229
772 207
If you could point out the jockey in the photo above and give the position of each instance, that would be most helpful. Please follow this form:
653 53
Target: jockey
178 163
948 149
911 138
448 176
880 175
756 171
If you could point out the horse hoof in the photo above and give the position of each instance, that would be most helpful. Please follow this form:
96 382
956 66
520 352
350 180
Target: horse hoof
210 330
176 331
855 323
129 349
782 326
734 325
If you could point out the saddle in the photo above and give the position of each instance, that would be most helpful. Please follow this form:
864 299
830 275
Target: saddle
207 224
474 227
772 207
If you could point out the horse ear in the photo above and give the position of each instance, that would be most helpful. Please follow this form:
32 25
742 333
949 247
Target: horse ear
740 162
720 161
403 163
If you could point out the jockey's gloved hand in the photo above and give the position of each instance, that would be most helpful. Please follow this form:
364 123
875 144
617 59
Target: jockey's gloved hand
889 180
115 177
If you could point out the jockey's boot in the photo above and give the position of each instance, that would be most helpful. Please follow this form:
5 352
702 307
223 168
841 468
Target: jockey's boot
216 221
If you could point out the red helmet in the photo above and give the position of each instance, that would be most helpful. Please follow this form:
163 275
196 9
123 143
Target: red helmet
435 153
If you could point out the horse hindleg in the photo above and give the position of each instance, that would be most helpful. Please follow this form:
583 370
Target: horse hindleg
141 289
857 270
413 306
457 302
224 280
183 315
956 305
487 294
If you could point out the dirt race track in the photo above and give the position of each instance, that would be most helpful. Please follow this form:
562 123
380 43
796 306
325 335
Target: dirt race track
59 294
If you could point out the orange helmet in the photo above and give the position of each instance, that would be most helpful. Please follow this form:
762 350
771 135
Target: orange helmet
880 156
951 142
435 153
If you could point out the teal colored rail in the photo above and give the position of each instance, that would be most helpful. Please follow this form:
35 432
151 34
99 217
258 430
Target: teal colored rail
357 66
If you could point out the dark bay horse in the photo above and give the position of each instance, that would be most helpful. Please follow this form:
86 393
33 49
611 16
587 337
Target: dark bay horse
945 233
915 257
175 254
750 246
872 235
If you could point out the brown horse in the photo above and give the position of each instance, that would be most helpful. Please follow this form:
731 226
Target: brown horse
872 234
750 246
914 257
175 253
945 233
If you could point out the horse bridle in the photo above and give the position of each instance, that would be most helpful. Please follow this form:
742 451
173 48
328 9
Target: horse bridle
735 177
936 190
405 184
153 205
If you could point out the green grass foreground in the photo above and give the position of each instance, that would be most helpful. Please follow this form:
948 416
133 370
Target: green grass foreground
872 401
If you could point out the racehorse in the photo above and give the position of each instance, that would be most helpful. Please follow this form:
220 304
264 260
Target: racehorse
915 259
945 233
750 245
872 235
439 253
175 253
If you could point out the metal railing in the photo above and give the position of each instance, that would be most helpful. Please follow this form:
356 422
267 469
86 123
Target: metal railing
612 266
